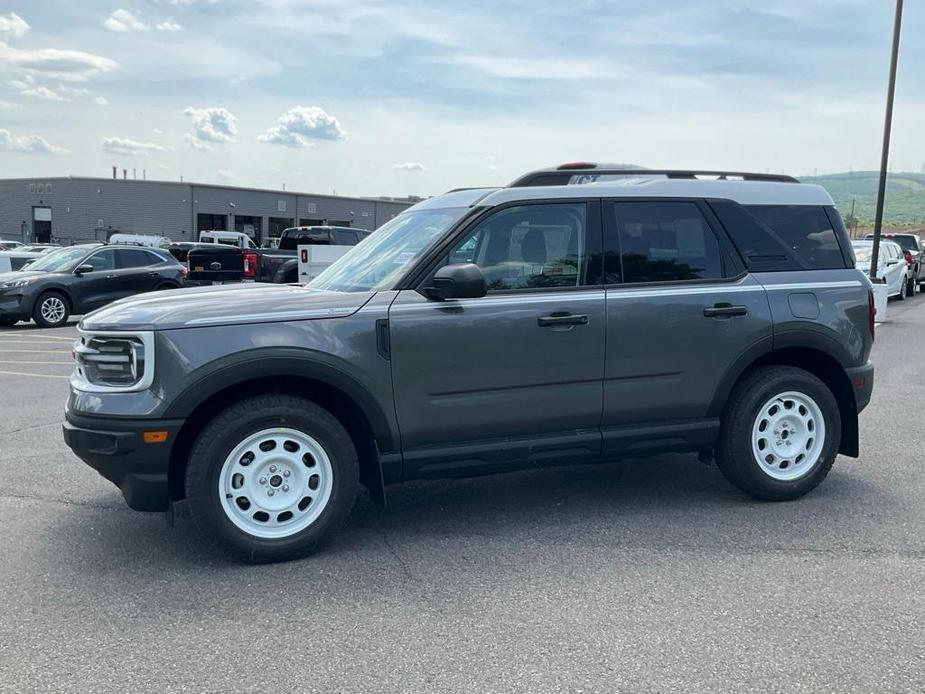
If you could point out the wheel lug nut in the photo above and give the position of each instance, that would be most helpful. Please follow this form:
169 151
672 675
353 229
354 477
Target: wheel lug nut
263 480
285 487
272 468
286 473
270 492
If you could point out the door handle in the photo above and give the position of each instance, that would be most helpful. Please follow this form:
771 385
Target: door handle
720 310
561 319
110 277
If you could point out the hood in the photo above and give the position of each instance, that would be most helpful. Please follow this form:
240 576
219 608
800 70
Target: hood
21 275
224 305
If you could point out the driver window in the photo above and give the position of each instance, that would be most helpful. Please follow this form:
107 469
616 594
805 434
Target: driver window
528 247
104 260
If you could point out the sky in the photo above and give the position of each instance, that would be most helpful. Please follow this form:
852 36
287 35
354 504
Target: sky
414 97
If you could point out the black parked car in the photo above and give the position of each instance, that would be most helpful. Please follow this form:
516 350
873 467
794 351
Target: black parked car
80 279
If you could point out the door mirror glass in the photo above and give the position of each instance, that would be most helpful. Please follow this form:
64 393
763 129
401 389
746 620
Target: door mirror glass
86 267
463 281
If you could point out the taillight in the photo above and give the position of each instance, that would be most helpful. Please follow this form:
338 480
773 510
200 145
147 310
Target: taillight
184 271
250 264
871 312
908 256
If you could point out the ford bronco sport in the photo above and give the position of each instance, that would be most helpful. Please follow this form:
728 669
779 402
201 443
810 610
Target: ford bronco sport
580 314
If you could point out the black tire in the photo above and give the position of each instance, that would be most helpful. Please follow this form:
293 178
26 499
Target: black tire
902 292
222 435
49 296
734 453
165 286
912 287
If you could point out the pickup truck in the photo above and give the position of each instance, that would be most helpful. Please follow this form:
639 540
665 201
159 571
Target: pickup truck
221 263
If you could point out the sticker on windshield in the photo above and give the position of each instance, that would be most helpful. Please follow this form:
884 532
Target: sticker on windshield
404 258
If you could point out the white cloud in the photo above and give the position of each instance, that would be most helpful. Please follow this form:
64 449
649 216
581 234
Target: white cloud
300 124
169 25
123 21
213 124
409 166
12 26
196 144
72 91
40 92
224 175
27 144
56 63
533 68
127 147
101 101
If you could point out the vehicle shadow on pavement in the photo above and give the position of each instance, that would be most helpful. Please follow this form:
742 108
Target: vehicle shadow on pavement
668 502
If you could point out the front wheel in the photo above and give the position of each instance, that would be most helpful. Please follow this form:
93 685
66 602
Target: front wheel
51 310
780 433
271 477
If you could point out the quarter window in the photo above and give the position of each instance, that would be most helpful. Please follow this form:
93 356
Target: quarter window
528 247
663 242
805 230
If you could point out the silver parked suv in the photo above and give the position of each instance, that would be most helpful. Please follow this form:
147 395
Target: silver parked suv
579 314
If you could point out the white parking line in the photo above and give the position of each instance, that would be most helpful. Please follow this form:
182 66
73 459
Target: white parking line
19 373
10 336
28 351
69 362
30 342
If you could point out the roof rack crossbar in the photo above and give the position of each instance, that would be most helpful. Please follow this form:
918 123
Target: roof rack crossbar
562 177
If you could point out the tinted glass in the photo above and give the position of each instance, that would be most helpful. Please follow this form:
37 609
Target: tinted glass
103 260
132 257
665 242
528 247
805 230
293 238
344 238
905 241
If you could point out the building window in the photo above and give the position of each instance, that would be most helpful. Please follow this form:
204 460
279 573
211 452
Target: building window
31 187
48 188
211 222
312 208
41 188
280 205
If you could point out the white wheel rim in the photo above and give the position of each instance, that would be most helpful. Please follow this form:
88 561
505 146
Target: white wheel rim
788 436
53 309
275 483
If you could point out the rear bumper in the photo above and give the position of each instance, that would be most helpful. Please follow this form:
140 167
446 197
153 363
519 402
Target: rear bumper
862 380
115 448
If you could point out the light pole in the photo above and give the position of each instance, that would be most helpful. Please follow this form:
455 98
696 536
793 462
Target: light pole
887 127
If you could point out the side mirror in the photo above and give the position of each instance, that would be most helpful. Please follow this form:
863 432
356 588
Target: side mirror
463 281
82 269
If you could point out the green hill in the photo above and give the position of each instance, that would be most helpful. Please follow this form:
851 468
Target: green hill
905 196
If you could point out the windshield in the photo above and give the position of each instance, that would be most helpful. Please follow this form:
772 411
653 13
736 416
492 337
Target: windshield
380 259
60 260
862 254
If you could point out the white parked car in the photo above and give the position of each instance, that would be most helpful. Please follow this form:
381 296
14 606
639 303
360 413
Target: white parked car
227 238
891 268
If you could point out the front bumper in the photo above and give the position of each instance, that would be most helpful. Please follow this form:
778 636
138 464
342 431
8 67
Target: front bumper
15 305
115 448
862 380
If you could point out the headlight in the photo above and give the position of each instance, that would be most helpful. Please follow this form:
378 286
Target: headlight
10 284
114 362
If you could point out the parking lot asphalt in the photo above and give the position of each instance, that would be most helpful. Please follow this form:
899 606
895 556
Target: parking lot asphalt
644 576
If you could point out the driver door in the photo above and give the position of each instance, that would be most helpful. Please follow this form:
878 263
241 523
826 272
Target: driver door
515 377
99 286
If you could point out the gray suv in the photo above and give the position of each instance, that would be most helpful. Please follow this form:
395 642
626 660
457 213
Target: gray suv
580 314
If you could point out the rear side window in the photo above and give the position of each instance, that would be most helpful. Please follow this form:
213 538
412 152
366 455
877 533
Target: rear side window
662 242
307 237
344 238
131 257
783 237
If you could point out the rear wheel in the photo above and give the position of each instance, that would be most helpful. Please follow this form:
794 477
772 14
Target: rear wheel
902 290
780 433
912 287
51 310
271 477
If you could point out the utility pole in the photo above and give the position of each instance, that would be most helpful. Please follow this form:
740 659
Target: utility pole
887 128
854 221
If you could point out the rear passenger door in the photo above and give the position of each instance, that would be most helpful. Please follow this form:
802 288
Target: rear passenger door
136 272
681 311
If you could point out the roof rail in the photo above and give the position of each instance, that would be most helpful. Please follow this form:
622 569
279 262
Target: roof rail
563 175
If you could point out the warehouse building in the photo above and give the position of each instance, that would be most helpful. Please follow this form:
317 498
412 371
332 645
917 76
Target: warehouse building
72 209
